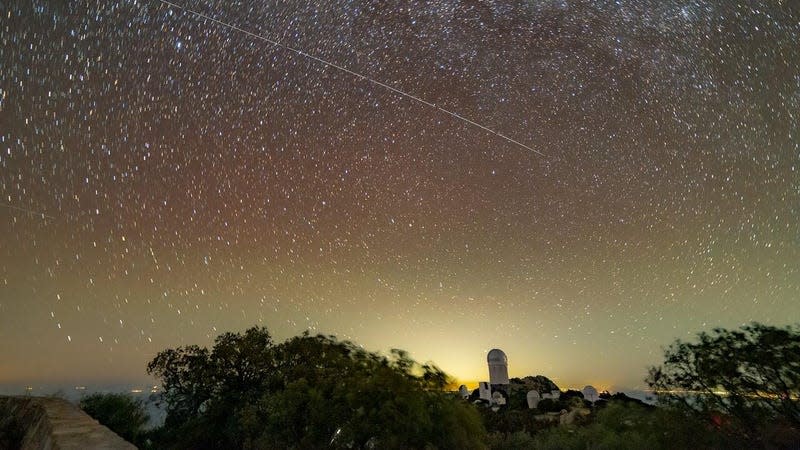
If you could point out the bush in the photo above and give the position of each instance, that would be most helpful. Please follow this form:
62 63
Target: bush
742 381
119 412
625 425
550 405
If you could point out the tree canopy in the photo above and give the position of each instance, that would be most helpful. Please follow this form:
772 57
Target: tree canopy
307 392
119 412
742 380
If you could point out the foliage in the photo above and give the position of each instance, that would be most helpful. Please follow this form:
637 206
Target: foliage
742 381
511 441
538 383
573 399
506 421
571 393
119 412
624 425
307 392
551 405
517 398
11 431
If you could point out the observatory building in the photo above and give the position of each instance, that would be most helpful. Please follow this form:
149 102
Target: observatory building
533 399
495 391
590 393
485 391
498 367
463 391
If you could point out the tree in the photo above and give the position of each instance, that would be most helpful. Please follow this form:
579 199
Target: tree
571 393
740 380
307 392
185 375
550 405
572 398
627 425
119 412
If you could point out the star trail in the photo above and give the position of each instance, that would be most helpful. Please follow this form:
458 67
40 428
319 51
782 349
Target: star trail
165 178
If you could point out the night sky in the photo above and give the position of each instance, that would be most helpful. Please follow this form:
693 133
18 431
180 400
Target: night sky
165 179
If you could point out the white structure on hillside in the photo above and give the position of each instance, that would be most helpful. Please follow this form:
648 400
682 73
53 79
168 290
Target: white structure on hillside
498 367
590 393
533 398
554 394
463 391
498 399
485 391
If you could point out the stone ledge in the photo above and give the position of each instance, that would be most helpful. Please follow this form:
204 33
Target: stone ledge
43 423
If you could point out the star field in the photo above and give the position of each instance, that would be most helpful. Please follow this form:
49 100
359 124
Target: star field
164 179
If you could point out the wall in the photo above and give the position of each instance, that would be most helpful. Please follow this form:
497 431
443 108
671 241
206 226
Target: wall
52 424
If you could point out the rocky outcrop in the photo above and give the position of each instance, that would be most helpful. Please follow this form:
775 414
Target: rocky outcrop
52 424
539 383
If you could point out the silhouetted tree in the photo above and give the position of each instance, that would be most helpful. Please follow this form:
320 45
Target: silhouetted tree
571 393
119 412
741 380
186 376
307 392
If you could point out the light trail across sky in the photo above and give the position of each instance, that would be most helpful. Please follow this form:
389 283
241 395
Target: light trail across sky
29 211
355 74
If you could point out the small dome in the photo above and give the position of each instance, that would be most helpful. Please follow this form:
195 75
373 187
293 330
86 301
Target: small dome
496 356
589 393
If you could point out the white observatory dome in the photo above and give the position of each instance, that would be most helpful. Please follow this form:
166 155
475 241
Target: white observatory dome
497 356
498 367
590 393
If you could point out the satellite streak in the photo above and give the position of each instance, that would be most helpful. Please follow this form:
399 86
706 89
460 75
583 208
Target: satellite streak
29 211
355 74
